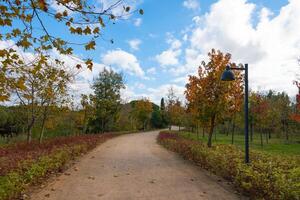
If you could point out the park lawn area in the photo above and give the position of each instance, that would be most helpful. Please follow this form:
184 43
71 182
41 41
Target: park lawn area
274 145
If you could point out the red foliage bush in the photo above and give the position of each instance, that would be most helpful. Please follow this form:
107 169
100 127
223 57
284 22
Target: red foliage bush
18 156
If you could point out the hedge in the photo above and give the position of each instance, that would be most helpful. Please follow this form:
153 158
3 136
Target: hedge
25 164
266 177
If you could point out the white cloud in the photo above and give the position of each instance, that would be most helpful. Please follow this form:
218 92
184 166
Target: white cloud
168 57
151 70
139 85
137 21
134 44
155 94
123 60
269 43
60 8
191 4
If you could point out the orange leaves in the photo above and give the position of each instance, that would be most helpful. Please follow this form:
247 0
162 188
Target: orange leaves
207 94
296 115
43 5
90 45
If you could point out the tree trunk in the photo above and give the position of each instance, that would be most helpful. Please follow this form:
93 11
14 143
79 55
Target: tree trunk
251 131
43 124
29 134
84 128
286 131
232 137
197 132
211 130
261 138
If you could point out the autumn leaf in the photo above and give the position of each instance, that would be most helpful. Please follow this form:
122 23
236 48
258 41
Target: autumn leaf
87 30
90 45
89 64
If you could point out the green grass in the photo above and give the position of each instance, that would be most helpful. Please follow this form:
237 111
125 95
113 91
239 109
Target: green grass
274 145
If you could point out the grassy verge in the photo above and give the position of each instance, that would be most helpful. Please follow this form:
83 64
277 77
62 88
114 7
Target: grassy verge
274 146
267 177
22 165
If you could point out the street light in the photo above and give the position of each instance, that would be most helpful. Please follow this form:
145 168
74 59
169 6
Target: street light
229 76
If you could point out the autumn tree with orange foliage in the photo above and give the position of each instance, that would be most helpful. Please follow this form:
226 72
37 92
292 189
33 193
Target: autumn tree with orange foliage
296 115
211 97
142 111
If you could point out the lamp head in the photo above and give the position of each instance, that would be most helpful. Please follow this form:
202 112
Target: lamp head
227 75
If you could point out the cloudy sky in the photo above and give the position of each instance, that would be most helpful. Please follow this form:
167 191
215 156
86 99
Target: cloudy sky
161 48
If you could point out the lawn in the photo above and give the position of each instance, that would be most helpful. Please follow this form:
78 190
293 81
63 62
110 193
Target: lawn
274 145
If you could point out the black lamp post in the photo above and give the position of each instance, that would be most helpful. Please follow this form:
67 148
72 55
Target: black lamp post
229 76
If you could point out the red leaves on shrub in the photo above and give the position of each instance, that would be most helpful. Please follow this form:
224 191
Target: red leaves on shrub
20 155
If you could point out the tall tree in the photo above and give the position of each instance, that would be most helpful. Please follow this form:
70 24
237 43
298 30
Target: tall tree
208 88
163 113
171 99
107 87
296 115
38 87
162 104
142 111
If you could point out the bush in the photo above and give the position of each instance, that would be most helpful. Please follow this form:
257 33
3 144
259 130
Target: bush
266 177
25 164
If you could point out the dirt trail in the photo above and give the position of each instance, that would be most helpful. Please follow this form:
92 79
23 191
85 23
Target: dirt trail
134 167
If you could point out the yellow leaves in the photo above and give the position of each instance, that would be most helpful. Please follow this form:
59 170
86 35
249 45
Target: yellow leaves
21 83
89 64
90 45
16 32
101 21
65 13
207 94
58 16
5 22
87 31
43 5
4 98
24 43
28 18
3 52
96 30
79 30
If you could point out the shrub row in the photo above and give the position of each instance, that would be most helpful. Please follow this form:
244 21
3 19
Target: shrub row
33 162
266 177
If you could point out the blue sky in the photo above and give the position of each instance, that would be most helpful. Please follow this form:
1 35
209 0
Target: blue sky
165 45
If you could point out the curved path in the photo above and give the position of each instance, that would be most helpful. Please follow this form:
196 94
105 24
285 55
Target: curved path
134 167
